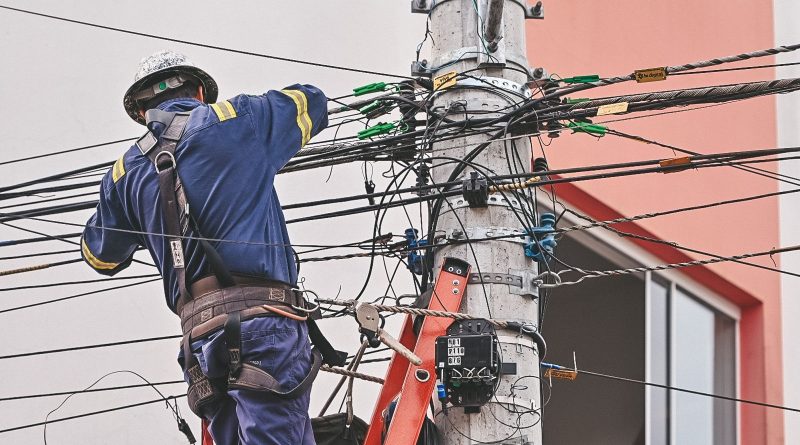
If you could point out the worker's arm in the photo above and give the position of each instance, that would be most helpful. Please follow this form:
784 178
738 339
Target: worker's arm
107 245
290 117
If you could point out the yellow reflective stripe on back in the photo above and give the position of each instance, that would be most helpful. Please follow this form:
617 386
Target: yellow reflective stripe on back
93 261
224 110
118 171
303 119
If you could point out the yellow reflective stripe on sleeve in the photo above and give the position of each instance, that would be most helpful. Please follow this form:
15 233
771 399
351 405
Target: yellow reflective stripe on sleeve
118 171
93 261
224 110
230 109
303 119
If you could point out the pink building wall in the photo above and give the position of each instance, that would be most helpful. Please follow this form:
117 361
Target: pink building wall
615 38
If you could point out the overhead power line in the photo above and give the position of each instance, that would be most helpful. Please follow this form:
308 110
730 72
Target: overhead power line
743 68
92 413
203 45
71 150
688 391
94 346
83 391
633 270
83 294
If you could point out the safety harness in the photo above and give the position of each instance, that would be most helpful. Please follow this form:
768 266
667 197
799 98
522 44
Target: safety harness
222 300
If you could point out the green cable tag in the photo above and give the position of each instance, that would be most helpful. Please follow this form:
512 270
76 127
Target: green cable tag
162 86
374 105
371 88
585 127
582 79
377 130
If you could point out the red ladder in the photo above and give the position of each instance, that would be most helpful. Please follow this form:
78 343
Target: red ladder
403 378
409 381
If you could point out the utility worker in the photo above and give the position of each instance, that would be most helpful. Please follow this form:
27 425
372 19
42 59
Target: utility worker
197 191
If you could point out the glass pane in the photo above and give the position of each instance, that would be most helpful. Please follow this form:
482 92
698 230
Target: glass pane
725 380
693 367
658 353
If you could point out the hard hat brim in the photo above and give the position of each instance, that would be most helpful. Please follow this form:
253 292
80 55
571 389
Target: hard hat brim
209 87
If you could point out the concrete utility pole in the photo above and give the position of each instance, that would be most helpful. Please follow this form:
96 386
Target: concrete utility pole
489 35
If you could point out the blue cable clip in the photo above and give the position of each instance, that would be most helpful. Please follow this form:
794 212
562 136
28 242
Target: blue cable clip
542 241
414 258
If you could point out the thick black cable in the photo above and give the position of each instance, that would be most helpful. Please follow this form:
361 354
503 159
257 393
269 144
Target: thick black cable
69 283
709 160
50 189
83 294
93 346
743 68
32 255
85 147
39 239
433 196
203 45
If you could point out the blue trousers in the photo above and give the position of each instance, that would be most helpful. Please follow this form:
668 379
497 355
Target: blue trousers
279 346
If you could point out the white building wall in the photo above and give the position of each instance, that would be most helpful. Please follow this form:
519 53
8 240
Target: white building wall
787 13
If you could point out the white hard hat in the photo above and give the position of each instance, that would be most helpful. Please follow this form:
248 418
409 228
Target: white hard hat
156 70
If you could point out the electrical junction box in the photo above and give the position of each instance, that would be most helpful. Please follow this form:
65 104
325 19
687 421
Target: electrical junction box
467 363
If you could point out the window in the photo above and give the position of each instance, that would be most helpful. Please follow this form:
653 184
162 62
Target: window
662 328
692 346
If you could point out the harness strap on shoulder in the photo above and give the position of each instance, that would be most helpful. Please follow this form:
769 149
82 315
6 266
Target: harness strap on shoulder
174 203
160 116
163 156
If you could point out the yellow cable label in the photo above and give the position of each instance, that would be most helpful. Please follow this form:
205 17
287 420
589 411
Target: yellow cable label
651 74
444 81
617 108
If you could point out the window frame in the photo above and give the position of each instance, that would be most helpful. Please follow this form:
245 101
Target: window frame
627 254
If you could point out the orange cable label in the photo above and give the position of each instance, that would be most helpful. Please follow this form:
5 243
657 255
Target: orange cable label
561 374
676 162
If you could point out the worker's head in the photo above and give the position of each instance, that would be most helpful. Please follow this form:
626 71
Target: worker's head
166 75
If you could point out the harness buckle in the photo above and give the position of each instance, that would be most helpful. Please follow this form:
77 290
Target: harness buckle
236 364
158 156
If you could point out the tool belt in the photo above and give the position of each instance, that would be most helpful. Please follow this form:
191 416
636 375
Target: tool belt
227 308
208 310
223 300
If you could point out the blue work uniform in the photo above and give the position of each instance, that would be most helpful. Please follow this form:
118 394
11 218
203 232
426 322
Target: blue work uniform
227 160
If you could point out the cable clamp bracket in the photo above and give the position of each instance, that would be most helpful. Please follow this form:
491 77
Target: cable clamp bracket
520 282
494 199
487 233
